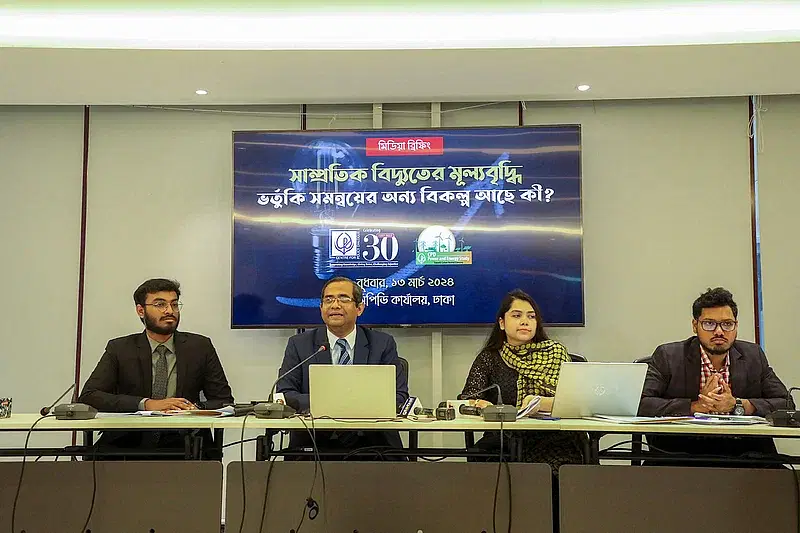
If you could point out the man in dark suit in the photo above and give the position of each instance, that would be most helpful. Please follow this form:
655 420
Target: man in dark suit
159 369
712 372
341 304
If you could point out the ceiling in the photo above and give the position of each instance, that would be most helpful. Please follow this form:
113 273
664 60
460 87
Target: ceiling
48 60
170 77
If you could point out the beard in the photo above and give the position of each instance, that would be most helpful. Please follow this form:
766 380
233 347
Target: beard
156 326
713 349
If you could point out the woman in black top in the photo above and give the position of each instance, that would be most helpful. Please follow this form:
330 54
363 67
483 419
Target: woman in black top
519 357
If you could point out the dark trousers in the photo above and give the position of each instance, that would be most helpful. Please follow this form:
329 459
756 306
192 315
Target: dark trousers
155 442
346 445
717 449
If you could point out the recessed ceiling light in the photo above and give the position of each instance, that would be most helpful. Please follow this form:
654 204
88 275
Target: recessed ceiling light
583 88
202 92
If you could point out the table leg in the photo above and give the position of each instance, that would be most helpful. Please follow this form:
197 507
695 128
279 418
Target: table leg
592 451
636 448
413 443
188 445
264 445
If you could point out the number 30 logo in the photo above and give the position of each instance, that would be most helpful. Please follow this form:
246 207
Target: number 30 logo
384 248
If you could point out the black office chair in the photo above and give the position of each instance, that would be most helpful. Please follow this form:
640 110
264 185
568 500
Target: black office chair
577 358
469 436
636 440
404 367
413 435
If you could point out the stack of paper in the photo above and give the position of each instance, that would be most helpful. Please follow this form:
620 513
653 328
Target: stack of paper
525 411
225 411
726 420
639 419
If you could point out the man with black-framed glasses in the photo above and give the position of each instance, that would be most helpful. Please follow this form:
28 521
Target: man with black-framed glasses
712 372
159 369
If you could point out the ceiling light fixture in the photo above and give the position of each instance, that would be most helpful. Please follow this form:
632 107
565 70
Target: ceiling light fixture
583 87
201 92
307 27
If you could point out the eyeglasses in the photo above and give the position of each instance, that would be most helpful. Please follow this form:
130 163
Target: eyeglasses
711 325
162 305
344 299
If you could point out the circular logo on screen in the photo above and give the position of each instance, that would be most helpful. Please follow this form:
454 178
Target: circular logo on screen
599 390
436 239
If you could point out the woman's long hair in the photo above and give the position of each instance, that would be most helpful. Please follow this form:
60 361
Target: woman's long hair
497 336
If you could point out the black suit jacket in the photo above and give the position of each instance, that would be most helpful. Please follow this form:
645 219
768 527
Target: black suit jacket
673 379
372 348
124 374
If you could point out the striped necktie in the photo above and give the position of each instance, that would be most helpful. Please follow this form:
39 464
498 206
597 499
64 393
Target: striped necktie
344 352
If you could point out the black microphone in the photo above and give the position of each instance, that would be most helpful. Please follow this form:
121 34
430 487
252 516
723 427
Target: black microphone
789 401
495 413
490 387
470 410
424 411
46 410
279 410
787 417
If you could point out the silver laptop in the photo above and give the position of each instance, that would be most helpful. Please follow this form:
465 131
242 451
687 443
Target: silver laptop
589 389
352 391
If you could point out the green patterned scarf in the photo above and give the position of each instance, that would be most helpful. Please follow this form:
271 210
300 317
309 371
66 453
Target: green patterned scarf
538 365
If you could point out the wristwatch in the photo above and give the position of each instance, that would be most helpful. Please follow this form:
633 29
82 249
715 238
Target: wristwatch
738 409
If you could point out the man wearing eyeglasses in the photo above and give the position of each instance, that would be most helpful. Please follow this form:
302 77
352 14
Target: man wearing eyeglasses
341 304
159 369
712 372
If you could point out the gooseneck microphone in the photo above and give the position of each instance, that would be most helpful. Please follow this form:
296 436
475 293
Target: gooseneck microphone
475 395
789 400
788 416
273 409
46 410
494 413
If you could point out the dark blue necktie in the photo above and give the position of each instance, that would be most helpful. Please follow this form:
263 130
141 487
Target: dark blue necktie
344 353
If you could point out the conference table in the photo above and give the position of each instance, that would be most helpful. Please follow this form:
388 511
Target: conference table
594 429
187 495
22 423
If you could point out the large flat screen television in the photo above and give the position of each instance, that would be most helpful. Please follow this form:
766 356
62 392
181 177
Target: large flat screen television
436 225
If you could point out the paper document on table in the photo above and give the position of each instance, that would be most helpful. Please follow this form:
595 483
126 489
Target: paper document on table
225 411
638 419
725 420
525 411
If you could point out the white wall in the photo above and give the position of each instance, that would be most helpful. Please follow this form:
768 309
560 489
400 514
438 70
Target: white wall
41 150
160 203
666 204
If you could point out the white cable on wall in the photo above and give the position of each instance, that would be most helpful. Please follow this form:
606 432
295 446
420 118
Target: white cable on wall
754 130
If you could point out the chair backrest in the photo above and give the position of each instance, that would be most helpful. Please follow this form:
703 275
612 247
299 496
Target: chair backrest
404 367
645 359
577 358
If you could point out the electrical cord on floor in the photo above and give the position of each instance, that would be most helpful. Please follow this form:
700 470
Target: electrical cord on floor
241 463
266 492
234 443
497 487
94 489
22 472
377 450
311 506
